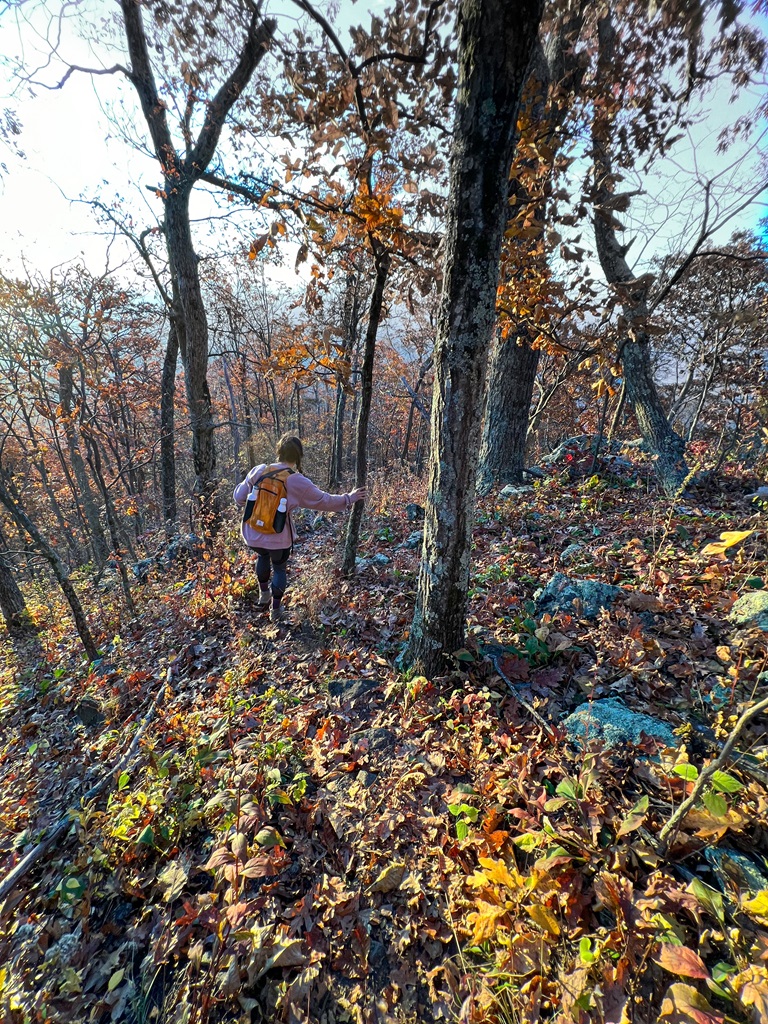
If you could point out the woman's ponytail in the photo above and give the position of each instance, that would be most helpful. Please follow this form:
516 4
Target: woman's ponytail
291 450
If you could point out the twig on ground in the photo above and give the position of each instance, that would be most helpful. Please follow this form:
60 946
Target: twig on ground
520 699
709 771
65 823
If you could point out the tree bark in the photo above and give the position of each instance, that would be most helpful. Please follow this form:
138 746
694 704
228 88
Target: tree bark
12 603
381 259
25 523
180 175
114 529
168 430
556 72
87 500
351 326
505 429
635 350
496 39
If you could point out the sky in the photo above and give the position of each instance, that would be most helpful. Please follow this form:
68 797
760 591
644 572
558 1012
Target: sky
71 150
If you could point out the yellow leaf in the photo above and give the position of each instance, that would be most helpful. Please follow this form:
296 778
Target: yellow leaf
497 871
484 921
752 986
389 879
727 540
544 918
758 906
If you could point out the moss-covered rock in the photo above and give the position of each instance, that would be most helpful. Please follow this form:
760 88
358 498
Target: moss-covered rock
616 725
751 610
585 598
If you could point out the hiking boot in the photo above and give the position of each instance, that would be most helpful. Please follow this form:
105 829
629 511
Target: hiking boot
278 614
265 596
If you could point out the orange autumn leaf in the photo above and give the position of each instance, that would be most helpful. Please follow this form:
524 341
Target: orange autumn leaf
682 961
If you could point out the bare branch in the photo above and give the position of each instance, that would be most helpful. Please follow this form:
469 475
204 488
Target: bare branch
114 70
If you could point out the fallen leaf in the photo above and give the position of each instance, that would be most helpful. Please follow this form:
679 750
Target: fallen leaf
640 602
683 1004
173 878
544 918
681 960
485 920
758 906
389 879
635 818
727 540
752 986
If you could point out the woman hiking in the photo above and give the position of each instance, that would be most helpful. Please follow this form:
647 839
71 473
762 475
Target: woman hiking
274 549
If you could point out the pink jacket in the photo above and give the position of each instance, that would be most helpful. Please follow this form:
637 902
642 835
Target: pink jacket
302 493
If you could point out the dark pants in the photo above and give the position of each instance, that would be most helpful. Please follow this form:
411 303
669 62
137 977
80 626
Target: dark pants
274 563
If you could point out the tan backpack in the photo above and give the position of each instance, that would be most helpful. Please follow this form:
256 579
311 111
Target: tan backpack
266 509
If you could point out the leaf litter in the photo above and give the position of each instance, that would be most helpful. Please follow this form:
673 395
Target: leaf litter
311 835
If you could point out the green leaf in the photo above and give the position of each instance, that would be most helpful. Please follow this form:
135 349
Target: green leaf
725 783
709 898
123 780
147 836
756 583
689 772
268 837
715 804
115 980
585 951
721 971
462 829
529 841
567 789
634 818
463 655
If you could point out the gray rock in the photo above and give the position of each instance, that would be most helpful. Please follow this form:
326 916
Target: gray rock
379 741
412 541
515 490
578 443
731 866
379 559
414 512
751 610
89 712
562 593
570 553
351 690
612 722
142 569
188 546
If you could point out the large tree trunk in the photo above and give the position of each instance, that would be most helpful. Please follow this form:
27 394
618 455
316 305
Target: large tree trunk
496 39
167 430
12 603
634 352
381 258
193 340
26 524
352 315
556 71
180 174
505 429
87 500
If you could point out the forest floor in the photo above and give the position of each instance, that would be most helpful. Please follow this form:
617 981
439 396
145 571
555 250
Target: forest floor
305 833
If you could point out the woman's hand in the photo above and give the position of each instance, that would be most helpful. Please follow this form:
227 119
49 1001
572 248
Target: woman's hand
359 494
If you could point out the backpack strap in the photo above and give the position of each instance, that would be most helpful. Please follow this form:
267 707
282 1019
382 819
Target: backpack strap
272 475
